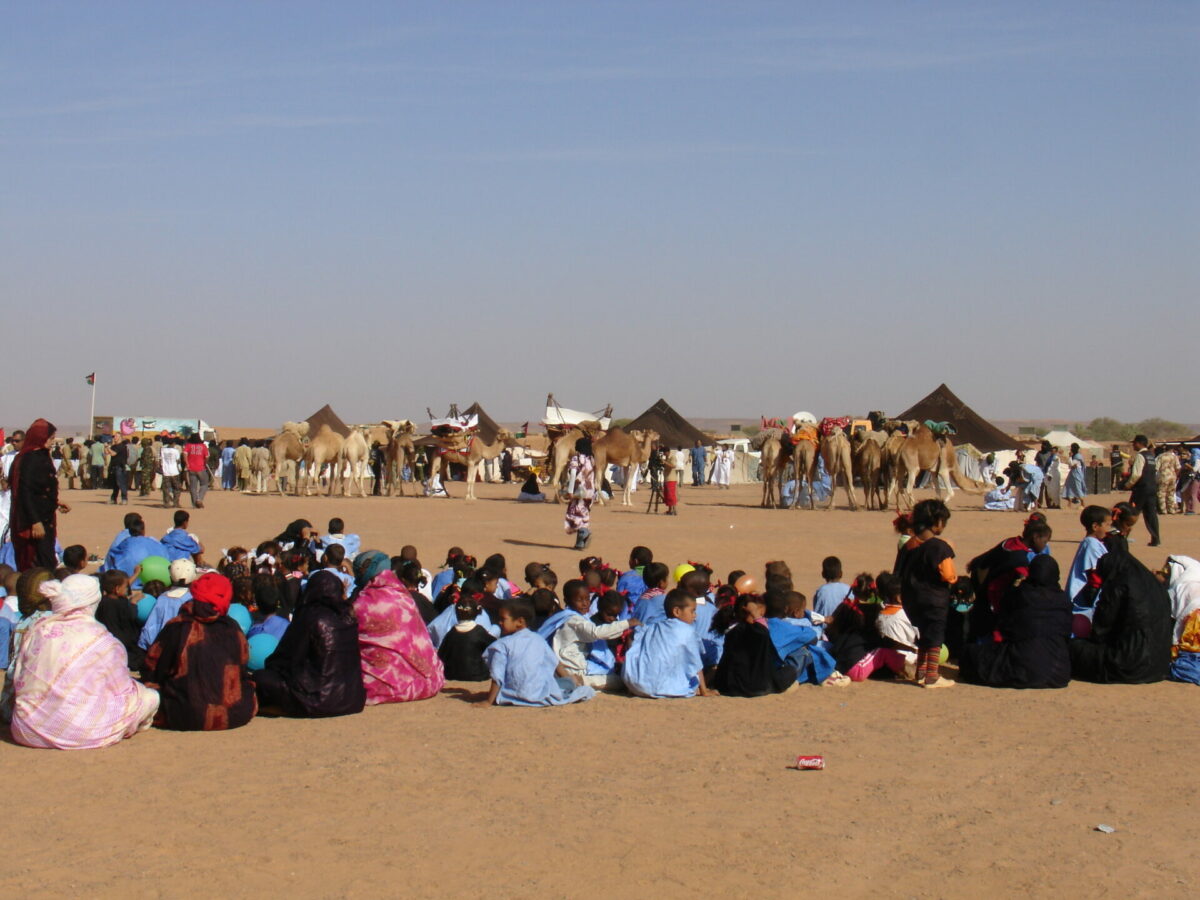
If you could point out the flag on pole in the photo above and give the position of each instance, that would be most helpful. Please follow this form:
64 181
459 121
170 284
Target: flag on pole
91 379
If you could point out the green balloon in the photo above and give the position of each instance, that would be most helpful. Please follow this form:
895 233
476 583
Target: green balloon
944 654
156 568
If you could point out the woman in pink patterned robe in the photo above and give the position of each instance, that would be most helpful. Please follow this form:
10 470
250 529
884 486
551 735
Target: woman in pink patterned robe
399 661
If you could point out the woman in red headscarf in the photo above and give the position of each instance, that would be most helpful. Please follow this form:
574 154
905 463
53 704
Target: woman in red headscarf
34 486
198 663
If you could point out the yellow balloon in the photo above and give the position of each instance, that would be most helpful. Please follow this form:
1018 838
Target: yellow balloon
681 570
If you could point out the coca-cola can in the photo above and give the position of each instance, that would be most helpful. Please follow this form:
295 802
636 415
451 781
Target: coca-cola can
810 762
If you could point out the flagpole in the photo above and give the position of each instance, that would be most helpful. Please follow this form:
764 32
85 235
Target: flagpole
92 417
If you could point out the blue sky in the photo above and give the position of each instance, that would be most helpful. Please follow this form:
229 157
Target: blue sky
243 210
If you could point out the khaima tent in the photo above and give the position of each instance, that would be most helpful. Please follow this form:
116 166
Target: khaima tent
561 418
673 429
970 428
326 416
1063 440
488 429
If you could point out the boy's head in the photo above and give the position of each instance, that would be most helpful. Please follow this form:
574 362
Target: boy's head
831 568
695 583
515 615
498 564
797 605
1095 520
181 518
75 558
777 567
336 526
29 597
888 586
610 606
335 555
640 556
135 525
266 594
777 582
655 575
544 602
576 595
777 601
408 551
114 583
153 588
680 605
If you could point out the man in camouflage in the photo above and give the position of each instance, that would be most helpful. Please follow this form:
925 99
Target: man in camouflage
1167 472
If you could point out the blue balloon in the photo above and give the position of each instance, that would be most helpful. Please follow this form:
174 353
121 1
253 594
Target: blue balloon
241 615
143 608
261 646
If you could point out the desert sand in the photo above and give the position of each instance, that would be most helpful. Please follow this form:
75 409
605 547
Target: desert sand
948 793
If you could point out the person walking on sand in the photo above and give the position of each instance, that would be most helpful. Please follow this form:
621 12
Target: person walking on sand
581 488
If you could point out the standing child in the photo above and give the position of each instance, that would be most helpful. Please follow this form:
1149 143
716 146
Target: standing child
664 660
926 576
462 648
831 594
522 665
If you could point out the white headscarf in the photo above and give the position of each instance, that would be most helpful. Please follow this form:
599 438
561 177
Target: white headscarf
1183 584
74 593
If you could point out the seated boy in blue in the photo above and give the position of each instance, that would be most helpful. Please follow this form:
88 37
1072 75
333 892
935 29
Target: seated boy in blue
168 604
631 583
350 543
331 561
180 544
117 541
522 665
1096 521
797 645
267 599
129 553
664 659
830 595
648 608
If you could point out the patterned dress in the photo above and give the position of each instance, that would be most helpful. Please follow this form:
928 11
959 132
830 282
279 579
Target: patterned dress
581 472
399 662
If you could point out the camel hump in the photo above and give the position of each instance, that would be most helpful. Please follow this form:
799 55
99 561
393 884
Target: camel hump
300 429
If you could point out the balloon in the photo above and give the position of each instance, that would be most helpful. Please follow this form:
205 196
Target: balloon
143 608
156 568
747 584
944 655
261 646
241 615
681 570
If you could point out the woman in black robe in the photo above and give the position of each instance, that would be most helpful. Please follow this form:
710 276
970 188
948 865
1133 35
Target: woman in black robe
316 670
1034 621
33 519
749 665
1131 634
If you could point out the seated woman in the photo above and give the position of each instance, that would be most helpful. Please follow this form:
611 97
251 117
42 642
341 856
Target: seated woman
748 661
994 572
198 663
1034 624
1183 581
71 685
531 491
399 662
1130 641
315 671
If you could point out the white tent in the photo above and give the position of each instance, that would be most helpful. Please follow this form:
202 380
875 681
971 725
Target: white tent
561 417
1064 439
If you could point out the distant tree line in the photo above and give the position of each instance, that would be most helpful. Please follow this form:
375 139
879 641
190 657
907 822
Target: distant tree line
1106 430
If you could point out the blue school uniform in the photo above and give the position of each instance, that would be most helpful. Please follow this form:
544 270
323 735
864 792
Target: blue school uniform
555 622
800 646
129 554
523 664
663 660
165 609
180 544
273 625
600 659
631 584
651 609
829 597
1086 557
351 543
443 623
440 580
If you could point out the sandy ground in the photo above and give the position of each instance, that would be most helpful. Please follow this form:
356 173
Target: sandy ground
968 790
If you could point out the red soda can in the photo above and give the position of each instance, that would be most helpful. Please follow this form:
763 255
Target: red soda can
810 762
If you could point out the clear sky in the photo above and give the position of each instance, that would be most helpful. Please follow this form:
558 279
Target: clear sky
240 211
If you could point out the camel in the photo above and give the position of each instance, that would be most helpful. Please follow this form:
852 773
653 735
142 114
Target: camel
472 456
627 450
774 458
287 446
867 457
835 451
920 452
804 469
355 453
401 452
325 447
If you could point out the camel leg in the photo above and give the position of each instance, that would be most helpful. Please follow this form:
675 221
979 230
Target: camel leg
472 472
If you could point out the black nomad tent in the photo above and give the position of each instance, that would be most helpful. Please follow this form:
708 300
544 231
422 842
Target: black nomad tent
673 429
943 406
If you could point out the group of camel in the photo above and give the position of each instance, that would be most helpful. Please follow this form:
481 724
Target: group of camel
351 453
887 462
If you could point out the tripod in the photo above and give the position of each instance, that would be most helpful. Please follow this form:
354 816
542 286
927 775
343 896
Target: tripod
656 495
